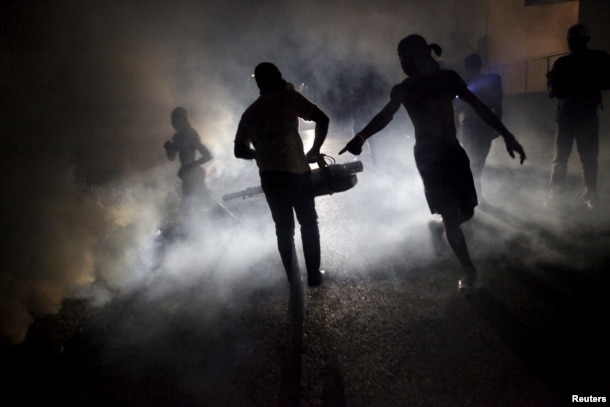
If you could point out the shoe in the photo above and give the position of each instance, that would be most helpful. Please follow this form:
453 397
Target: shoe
316 279
470 284
549 200
590 199
590 203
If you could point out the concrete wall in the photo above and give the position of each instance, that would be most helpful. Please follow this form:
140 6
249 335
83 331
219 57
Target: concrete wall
521 38
596 14
518 33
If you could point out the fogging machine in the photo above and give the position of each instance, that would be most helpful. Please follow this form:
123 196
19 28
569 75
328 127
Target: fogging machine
327 179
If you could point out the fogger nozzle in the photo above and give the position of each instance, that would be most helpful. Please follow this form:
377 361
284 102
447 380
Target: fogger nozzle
325 180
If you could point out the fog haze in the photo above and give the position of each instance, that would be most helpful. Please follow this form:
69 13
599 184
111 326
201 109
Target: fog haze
87 90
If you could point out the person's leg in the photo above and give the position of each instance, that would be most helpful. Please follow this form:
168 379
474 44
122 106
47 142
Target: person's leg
564 138
483 147
477 144
311 245
452 220
189 204
307 216
587 143
457 242
276 187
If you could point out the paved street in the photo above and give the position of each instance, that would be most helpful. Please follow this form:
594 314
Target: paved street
221 327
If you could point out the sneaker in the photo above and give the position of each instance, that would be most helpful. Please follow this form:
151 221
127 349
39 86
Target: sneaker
550 200
590 199
316 279
469 284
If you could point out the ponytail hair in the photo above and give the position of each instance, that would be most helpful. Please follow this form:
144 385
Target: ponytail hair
416 43
438 51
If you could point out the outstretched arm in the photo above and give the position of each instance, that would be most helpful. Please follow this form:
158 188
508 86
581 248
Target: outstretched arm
496 105
322 121
488 116
377 123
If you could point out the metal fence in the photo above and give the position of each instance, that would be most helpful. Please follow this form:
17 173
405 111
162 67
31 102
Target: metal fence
528 76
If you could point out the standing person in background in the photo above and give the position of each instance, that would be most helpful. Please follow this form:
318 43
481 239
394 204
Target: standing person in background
427 95
576 81
475 135
186 143
268 132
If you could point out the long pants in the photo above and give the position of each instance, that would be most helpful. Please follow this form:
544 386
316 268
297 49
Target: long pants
286 195
585 131
195 194
477 143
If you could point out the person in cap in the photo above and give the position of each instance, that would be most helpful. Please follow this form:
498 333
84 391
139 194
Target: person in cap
268 132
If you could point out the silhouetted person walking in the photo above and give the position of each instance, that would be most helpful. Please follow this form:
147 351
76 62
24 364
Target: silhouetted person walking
475 135
427 95
576 80
268 132
186 143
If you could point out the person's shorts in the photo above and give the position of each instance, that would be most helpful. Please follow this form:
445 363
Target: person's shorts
447 178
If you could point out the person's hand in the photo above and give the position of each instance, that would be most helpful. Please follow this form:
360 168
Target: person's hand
184 169
312 155
354 146
512 146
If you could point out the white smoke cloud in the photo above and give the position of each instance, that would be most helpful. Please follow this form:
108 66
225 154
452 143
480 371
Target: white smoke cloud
87 91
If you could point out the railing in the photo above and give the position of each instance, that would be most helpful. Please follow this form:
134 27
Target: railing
528 76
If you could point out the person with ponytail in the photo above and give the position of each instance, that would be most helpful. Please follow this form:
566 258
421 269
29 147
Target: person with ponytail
427 95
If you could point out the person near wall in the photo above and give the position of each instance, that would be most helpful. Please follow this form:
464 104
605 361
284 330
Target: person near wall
576 81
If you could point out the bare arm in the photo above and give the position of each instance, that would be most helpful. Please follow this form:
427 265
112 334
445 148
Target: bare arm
498 111
205 155
488 116
170 150
188 151
496 105
322 121
377 123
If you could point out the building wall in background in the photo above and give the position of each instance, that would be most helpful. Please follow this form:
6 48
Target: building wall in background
596 14
524 40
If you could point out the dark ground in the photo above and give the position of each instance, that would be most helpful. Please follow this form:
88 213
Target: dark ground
385 329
